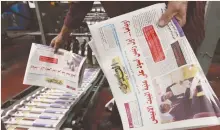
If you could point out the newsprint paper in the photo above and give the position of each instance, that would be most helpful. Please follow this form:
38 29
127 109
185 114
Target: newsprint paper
63 70
153 73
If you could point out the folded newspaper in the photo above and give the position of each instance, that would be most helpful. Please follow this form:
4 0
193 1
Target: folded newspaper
155 77
63 70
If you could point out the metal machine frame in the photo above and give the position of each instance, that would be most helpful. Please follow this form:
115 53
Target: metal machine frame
44 34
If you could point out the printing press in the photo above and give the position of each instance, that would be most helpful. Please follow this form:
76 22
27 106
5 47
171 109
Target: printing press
40 108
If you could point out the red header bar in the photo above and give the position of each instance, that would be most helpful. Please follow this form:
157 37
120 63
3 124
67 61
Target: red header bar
48 59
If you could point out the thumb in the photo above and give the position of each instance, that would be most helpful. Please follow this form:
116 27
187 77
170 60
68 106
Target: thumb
167 17
52 43
56 46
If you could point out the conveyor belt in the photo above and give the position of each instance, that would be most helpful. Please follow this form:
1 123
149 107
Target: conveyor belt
19 104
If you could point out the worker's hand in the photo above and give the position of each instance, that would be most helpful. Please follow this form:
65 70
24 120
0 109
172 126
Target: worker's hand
57 41
177 9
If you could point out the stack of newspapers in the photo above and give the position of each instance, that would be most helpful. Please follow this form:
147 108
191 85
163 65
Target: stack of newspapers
155 77
45 109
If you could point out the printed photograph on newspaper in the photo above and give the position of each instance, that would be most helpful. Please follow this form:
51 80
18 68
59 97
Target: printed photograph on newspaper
121 76
182 96
54 70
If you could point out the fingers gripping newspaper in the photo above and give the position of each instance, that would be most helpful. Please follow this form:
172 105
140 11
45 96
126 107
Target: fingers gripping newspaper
154 75
63 70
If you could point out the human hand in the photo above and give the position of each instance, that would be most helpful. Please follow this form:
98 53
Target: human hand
57 41
177 9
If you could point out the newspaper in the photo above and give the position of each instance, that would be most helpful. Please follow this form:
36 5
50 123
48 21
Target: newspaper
63 70
154 75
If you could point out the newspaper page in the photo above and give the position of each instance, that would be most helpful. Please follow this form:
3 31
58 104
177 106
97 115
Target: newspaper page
62 70
154 75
